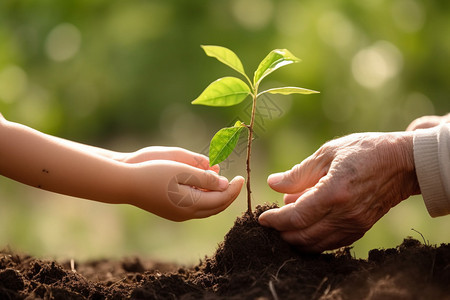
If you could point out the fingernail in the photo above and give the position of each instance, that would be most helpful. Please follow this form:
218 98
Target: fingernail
223 182
275 179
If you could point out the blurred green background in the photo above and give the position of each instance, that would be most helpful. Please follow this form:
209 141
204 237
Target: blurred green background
122 74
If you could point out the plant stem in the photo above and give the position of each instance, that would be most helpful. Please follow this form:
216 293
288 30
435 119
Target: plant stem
249 151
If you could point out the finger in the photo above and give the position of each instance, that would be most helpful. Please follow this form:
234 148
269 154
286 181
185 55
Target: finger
424 122
327 234
194 159
201 179
291 198
177 154
212 203
300 177
306 239
332 241
206 200
309 209
197 160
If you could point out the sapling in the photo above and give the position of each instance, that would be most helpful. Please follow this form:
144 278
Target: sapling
229 91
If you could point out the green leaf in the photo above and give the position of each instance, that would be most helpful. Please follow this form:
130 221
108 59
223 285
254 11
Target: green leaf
223 143
225 56
275 59
289 90
226 91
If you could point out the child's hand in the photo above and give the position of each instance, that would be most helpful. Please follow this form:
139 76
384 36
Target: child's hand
168 153
178 184
177 190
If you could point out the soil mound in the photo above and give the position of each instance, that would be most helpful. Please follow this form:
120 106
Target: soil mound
252 262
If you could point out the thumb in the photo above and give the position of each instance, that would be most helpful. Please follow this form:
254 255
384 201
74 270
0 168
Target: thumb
300 177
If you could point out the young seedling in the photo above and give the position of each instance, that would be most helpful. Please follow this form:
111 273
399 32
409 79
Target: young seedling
229 91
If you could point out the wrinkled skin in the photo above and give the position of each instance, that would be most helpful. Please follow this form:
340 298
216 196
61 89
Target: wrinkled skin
337 194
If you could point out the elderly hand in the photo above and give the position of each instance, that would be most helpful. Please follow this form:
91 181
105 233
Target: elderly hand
334 196
428 122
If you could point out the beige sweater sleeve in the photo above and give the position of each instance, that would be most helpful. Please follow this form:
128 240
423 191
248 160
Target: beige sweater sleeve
432 160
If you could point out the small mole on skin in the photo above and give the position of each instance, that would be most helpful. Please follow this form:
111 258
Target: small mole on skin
45 171
39 186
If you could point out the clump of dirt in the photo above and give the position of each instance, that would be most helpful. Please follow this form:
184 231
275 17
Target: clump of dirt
252 262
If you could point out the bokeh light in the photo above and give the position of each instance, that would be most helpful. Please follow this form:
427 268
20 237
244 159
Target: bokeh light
252 14
409 15
337 31
375 65
63 42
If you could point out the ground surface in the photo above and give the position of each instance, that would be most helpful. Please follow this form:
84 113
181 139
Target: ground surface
251 263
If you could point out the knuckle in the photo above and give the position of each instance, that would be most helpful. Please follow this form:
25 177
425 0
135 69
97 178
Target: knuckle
342 184
328 149
295 173
342 194
324 150
296 168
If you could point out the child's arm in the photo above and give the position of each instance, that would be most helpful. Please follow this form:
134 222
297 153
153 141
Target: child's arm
172 189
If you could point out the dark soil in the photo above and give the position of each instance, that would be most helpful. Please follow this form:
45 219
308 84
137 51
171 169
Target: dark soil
251 263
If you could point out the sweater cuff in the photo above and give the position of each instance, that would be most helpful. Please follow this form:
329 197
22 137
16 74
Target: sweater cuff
428 170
